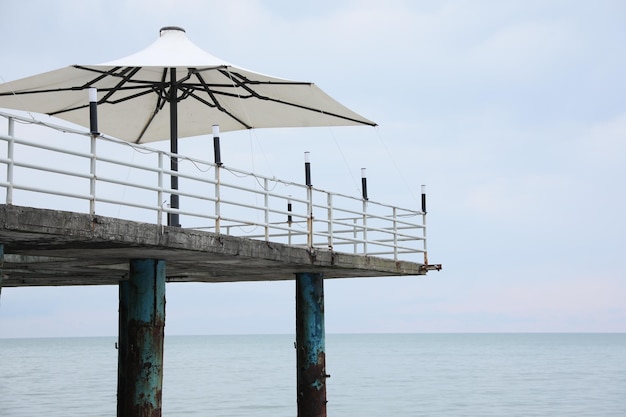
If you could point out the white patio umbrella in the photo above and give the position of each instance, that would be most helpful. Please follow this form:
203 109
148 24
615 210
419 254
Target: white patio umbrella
174 89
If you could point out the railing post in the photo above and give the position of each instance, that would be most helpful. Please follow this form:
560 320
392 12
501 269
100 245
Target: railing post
330 220
309 219
92 180
424 236
395 234
11 127
364 227
355 235
217 156
364 196
266 199
160 192
289 219
10 156
424 223
309 194
217 199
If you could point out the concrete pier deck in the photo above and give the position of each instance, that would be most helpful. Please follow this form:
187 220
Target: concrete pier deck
50 248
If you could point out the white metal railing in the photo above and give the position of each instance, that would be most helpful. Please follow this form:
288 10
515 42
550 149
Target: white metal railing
88 175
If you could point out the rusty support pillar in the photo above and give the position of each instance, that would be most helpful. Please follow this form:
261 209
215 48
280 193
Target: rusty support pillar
140 344
310 345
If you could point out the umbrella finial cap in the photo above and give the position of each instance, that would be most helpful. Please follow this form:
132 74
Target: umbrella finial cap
168 28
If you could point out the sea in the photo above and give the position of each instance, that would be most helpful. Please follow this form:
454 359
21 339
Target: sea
429 375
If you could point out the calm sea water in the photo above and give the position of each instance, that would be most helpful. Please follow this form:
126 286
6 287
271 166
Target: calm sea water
371 375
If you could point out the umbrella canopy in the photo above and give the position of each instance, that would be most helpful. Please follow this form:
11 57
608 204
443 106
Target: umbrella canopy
201 91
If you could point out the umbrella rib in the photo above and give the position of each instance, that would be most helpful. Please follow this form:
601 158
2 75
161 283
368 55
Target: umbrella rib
50 90
242 82
121 100
339 116
83 106
112 73
216 102
125 79
162 99
125 74
103 74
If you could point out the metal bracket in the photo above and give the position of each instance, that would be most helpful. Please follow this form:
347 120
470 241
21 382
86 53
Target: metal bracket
430 267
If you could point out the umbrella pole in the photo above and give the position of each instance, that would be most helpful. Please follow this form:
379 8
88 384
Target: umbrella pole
173 218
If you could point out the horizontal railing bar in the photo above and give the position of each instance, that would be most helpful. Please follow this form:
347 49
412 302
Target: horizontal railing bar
25 142
261 192
277 235
51 192
33 121
51 170
262 209
374 244
387 220
360 214
405 251
128 184
128 203
286 228
129 165
369 243
399 239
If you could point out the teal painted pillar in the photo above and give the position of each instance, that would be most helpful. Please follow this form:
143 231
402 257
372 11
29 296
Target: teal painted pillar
141 337
310 345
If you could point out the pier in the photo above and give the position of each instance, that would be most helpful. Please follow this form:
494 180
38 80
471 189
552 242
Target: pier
54 248
56 229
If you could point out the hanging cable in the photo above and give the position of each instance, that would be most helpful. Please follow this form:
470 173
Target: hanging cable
393 161
253 132
354 182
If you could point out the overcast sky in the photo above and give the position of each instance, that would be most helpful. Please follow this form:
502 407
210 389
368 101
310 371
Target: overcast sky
512 112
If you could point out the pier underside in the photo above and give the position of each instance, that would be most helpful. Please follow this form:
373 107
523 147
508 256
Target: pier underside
48 247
